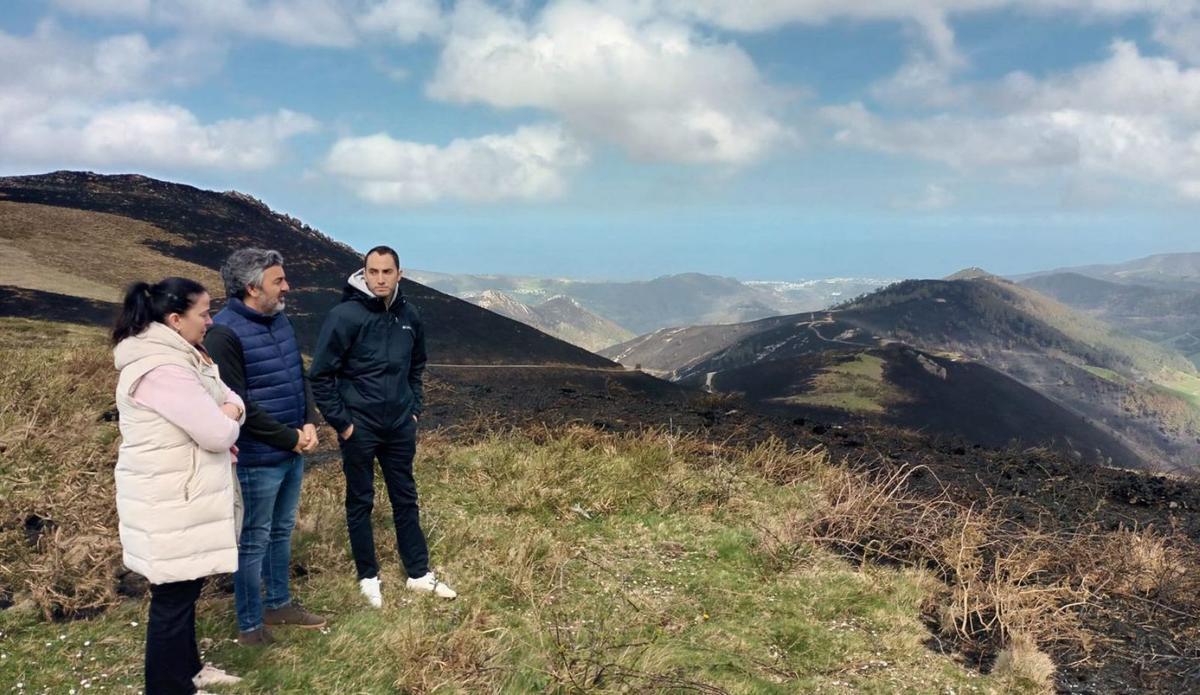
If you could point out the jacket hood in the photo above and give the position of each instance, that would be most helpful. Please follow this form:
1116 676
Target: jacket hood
156 340
356 289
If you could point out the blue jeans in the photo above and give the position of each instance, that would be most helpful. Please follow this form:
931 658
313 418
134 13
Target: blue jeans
270 495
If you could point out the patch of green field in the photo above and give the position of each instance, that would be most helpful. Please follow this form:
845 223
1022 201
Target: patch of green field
1106 374
1185 386
857 385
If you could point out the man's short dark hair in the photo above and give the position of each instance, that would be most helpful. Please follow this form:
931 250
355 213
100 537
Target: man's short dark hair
382 250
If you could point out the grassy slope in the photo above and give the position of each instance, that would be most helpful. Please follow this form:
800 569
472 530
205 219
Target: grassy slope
857 385
107 252
658 580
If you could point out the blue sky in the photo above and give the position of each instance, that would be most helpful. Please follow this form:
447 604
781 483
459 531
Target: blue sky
778 139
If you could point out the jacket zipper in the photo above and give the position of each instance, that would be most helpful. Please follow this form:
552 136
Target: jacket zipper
187 493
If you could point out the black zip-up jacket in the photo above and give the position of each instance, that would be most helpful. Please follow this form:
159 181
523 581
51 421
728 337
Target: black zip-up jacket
370 358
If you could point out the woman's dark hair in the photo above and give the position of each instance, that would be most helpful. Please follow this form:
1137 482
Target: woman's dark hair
146 303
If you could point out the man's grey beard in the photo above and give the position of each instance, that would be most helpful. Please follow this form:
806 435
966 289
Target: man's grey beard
278 307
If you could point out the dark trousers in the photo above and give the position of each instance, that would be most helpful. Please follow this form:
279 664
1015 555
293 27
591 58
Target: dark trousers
172 657
395 450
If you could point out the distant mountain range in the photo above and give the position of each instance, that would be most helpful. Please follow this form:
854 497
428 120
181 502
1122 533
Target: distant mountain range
974 356
610 312
559 316
1165 270
1156 298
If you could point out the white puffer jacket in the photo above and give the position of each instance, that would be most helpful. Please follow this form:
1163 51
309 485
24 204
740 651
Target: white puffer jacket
175 500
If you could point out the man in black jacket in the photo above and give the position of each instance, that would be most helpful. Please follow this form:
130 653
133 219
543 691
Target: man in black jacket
366 378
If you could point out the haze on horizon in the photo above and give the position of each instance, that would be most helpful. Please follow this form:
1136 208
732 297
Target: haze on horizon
623 140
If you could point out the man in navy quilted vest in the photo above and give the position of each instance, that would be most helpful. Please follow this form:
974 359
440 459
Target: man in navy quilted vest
254 346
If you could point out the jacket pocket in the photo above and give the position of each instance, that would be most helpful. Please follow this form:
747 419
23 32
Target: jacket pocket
191 477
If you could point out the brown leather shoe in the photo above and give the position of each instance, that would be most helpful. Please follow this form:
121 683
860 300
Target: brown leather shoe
256 638
294 615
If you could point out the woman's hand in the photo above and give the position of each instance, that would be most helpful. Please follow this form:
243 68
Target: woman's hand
232 411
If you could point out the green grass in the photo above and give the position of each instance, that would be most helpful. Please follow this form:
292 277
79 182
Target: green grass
656 582
857 385
1186 386
585 562
1106 374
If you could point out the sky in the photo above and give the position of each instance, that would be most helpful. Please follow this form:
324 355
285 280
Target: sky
628 139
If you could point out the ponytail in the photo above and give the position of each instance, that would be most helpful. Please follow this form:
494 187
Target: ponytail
145 303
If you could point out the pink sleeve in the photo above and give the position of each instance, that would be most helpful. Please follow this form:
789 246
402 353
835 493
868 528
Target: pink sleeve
232 397
177 395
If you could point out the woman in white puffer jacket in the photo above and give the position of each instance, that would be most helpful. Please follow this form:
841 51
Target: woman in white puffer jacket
176 491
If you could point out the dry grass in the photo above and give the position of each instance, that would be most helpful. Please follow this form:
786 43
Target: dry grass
1144 563
1004 587
57 516
999 579
110 251
1023 666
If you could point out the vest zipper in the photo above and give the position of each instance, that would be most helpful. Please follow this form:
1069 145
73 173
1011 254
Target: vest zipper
187 493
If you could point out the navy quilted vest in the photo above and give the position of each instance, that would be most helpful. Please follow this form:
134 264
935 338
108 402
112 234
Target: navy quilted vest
274 374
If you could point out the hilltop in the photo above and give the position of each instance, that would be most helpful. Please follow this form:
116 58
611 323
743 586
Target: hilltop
1111 397
116 229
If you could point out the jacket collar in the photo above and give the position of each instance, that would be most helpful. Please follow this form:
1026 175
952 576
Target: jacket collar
239 307
157 339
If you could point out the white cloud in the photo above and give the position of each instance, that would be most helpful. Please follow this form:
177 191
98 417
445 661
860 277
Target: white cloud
529 164
69 102
343 23
321 23
150 134
1129 117
652 87
57 65
406 20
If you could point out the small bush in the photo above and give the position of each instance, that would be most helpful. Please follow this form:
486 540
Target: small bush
1023 666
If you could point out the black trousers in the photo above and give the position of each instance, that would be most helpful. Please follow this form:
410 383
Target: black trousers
395 450
172 657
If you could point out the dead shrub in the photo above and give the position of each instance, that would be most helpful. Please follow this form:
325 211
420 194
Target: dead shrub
1022 665
1001 579
1142 562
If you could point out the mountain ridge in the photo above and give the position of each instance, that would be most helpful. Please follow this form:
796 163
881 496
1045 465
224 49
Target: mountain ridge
1128 390
149 228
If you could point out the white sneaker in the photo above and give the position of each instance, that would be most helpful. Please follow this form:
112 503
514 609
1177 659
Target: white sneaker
370 588
429 584
211 675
